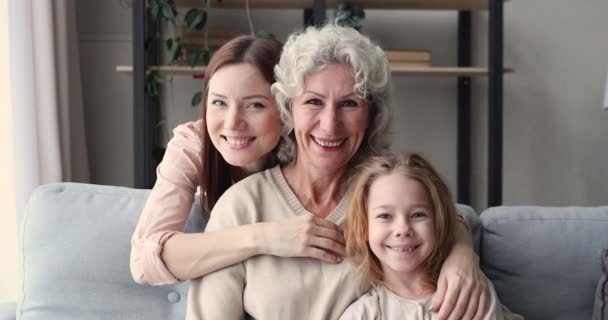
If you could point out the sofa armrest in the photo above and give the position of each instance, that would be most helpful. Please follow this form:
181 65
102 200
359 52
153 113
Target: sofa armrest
75 245
8 311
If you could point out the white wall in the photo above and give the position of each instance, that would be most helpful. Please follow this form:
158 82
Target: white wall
555 131
104 29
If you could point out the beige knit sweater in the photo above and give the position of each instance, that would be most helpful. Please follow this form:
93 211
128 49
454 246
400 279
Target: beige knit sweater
381 303
269 287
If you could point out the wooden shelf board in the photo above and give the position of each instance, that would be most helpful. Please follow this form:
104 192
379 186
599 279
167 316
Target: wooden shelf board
396 69
366 4
171 70
443 71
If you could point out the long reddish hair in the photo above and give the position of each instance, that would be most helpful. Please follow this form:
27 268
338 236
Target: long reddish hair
217 174
412 166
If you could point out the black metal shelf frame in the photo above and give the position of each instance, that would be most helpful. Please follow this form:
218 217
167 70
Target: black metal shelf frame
146 109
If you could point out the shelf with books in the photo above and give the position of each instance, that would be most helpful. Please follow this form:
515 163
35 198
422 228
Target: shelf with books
402 69
314 13
468 5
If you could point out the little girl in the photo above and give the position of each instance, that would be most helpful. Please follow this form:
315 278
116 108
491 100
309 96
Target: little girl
400 228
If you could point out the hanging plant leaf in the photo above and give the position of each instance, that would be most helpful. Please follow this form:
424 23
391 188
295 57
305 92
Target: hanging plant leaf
194 58
207 56
155 9
153 81
151 88
265 35
155 74
207 3
196 18
196 99
174 48
169 11
148 88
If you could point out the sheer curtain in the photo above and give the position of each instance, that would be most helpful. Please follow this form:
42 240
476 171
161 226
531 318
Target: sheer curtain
47 95
45 99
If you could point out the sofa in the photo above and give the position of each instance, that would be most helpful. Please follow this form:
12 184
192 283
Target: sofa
75 243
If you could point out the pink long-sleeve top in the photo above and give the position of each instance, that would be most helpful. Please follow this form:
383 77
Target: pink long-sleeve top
168 205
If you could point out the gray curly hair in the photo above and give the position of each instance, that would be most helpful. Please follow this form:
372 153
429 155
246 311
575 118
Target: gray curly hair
312 50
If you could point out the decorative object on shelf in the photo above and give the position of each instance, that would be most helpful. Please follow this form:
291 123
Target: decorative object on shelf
409 58
348 14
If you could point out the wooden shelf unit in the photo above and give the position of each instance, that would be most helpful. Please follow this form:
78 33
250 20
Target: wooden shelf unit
397 69
314 12
468 5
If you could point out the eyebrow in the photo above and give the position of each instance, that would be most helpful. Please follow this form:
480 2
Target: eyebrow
253 96
416 206
384 207
348 95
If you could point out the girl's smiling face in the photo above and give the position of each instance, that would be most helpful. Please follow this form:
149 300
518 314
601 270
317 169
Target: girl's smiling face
401 225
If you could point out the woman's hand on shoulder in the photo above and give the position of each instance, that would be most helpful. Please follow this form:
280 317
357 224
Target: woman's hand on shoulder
462 289
304 236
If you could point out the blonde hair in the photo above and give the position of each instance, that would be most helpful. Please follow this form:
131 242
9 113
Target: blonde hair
412 166
314 49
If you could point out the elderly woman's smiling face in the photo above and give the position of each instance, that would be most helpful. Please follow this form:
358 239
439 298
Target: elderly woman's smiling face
329 119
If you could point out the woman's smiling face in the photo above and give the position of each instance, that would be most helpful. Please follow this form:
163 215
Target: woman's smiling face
329 119
242 117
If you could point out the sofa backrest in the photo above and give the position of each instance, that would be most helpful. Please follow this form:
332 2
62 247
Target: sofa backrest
75 246
75 257
544 262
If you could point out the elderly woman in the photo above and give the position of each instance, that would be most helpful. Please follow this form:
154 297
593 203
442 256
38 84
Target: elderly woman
332 90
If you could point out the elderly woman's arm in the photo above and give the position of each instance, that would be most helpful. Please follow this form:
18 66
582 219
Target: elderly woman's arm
462 289
218 295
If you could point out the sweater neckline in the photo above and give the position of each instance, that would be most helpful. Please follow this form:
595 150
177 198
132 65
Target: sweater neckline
337 216
422 301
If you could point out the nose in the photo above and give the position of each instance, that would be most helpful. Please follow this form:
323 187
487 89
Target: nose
233 118
403 228
330 118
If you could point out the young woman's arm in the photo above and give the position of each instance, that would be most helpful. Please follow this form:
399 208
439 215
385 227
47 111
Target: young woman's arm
168 206
189 256
462 289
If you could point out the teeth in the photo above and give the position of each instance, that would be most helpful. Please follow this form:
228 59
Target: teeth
237 142
403 249
328 144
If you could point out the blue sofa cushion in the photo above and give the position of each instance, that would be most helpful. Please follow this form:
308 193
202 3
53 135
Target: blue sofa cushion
76 245
544 261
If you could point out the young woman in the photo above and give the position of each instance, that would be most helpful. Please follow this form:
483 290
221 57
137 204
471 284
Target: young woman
400 228
239 135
